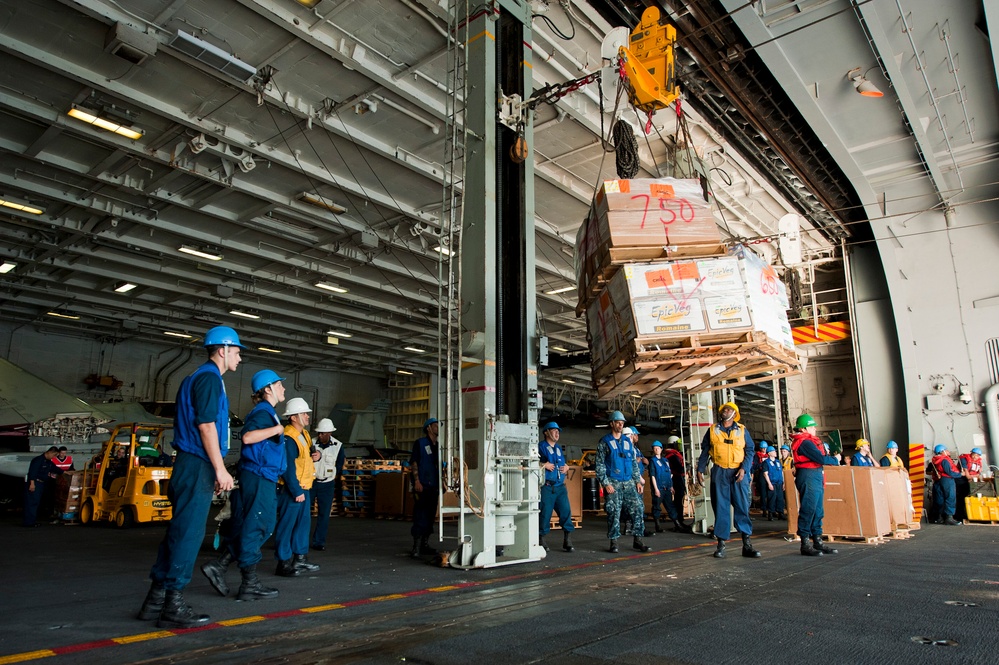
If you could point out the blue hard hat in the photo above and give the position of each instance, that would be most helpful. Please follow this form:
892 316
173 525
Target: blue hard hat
616 415
222 336
657 444
771 449
976 451
785 447
892 445
763 444
551 425
264 378
430 421
939 448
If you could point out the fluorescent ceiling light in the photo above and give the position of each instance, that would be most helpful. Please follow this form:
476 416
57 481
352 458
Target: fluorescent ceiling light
443 250
124 287
337 333
560 349
177 334
244 314
567 381
23 207
268 349
330 287
213 56
564 289
60 315
332 340
91 118
201 253
6 267
414 349
321 202
404 371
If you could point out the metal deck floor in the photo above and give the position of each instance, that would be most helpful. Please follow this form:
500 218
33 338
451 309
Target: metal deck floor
70 594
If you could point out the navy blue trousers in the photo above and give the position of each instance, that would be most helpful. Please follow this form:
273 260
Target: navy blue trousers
31 502
664 499
192 485
324 493
258 503
555 498
424 512
945 497
773 499
730 498
293 522
679 492
811 490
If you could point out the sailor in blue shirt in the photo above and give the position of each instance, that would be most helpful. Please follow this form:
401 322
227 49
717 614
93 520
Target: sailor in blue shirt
554 495
863 456
619 472
201 439
661 480
425 465
773 484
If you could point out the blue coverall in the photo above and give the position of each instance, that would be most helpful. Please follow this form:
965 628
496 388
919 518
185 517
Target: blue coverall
660 471
554 496
426 460
260 466
944 489
729 496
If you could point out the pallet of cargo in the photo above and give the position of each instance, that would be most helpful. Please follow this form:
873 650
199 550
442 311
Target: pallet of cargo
695 363
858 540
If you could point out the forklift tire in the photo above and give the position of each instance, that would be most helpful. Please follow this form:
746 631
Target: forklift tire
87 512
124 518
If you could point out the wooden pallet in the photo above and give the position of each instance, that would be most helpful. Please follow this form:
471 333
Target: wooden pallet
980 523
858 540
900 534
577 523
696 363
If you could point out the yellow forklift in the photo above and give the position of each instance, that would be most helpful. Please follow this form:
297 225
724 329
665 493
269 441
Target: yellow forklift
126 483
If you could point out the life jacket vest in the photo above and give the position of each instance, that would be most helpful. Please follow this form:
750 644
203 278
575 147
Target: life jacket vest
728 449
973 466
895 462
305 470
266 458
936 464
774 470
659 469
800 461
326 464
552 452
675 459
620 460
64 465
185 431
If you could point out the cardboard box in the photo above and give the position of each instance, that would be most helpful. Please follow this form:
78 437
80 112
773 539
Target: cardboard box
855 502
390 492
900 508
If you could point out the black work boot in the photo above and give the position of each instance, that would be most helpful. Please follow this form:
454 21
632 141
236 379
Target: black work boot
541 541
415 552
152 606
807 549
719 550
425 548
748 550
178 614
301 561
950 521
287 568
659 529
567 542
639 545
818 546
251 588
215 572
613 546
678 526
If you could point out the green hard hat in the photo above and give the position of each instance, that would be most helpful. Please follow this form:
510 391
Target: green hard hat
804 420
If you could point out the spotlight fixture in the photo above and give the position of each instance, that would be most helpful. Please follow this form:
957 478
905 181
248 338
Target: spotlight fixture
862 85
170 333
60 315
443 250
204 253
414 349
564 289
244 314
560 349
6 267
321 202
268 349
91 118
337 333
8 202
124 287
568 381
331 287
404 371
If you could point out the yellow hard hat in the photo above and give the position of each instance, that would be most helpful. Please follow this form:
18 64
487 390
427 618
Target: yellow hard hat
862 442
734 408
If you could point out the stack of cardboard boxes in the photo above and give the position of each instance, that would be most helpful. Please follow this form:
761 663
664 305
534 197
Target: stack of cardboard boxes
666 305
68 490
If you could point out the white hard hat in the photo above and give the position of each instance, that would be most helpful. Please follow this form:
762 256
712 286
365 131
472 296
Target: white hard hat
325 425
295 406
673 439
